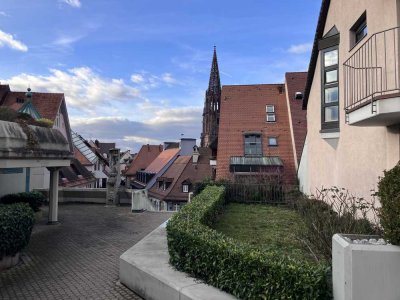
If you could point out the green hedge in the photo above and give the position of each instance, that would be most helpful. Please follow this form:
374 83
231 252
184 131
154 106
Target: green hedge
16 222
389 194
34 199
237 268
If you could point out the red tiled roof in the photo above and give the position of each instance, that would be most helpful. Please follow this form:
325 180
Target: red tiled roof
296 82
182 170
75 175
47 104
161 160
143 158
81 158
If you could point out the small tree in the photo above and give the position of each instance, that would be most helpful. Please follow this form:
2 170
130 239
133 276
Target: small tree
389 194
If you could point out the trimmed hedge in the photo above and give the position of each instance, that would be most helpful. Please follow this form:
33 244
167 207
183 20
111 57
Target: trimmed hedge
16 222
34 199
389 194
237 268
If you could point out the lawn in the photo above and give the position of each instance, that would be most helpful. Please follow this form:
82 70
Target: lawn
267 227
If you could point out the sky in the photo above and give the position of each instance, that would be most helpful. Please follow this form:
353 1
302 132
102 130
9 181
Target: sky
136 71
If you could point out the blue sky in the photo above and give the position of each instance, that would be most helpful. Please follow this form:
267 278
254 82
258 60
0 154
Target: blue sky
135 72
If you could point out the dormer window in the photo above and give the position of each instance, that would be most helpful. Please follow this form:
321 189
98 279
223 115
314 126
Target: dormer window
186 185
160 184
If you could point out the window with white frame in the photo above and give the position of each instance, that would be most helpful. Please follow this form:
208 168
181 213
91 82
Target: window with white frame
272 141
185 188
270 110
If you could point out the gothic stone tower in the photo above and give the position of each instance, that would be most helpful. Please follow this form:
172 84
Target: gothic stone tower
212 103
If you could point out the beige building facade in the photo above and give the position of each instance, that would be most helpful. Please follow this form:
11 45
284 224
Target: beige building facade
352 97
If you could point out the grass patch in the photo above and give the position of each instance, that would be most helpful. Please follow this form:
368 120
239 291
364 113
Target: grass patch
267 227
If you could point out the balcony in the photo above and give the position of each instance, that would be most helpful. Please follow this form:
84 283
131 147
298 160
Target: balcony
372 81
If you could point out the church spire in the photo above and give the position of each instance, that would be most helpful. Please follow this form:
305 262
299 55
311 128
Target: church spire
214 84
212 104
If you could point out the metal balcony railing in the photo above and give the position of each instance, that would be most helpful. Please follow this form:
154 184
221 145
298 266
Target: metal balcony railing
372 72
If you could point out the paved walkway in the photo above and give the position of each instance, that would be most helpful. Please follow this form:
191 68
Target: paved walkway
78 259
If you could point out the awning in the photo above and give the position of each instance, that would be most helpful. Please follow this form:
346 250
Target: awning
256 161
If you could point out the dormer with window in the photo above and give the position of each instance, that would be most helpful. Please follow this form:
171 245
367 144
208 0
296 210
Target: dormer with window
186 186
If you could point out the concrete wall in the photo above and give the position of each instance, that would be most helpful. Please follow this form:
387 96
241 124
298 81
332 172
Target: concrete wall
12 183
303 171
359 155
87 195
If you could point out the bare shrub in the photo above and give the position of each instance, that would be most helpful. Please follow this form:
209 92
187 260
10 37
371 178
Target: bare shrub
334 210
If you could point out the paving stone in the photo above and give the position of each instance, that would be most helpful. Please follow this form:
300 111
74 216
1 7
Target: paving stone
78 258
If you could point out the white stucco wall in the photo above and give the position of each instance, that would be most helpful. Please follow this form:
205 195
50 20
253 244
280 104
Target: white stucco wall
12 183
358 157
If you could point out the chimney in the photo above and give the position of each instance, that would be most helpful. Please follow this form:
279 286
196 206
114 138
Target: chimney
186 146
196 154
148 147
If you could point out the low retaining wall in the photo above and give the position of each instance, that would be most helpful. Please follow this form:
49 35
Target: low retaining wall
87 195
144 268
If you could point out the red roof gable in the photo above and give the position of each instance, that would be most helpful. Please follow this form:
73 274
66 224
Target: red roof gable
143 158
162 159
47 104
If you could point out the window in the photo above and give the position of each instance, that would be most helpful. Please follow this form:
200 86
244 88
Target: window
160 184
185 188
330 89
359 30
252 145
272 141
270 110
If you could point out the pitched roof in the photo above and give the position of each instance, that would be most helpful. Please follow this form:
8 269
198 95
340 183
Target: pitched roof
295 82
105 147
143 158
80 143
314 53
47 104
81 158
161 160
75 175
183 170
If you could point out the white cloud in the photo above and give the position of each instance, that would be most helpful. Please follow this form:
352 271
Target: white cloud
8 40
67 41
73 3
300 48
149 81
174 115
83 87
167 78
4 14
137 78
141 140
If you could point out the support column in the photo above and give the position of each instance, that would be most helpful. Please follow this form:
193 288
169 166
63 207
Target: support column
53 196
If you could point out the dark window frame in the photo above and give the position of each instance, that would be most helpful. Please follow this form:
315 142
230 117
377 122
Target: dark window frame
357 30
246 152
326 85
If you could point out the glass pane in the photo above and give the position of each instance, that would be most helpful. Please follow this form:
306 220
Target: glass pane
331 58
331 114
331 94
270 108
272 141
331 76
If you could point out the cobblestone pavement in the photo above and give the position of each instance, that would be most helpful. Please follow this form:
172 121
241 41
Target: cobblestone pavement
78 259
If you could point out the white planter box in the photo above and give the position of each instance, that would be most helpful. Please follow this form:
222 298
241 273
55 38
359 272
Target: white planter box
364 271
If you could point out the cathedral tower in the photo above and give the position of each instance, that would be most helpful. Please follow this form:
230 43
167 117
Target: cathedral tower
212 104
